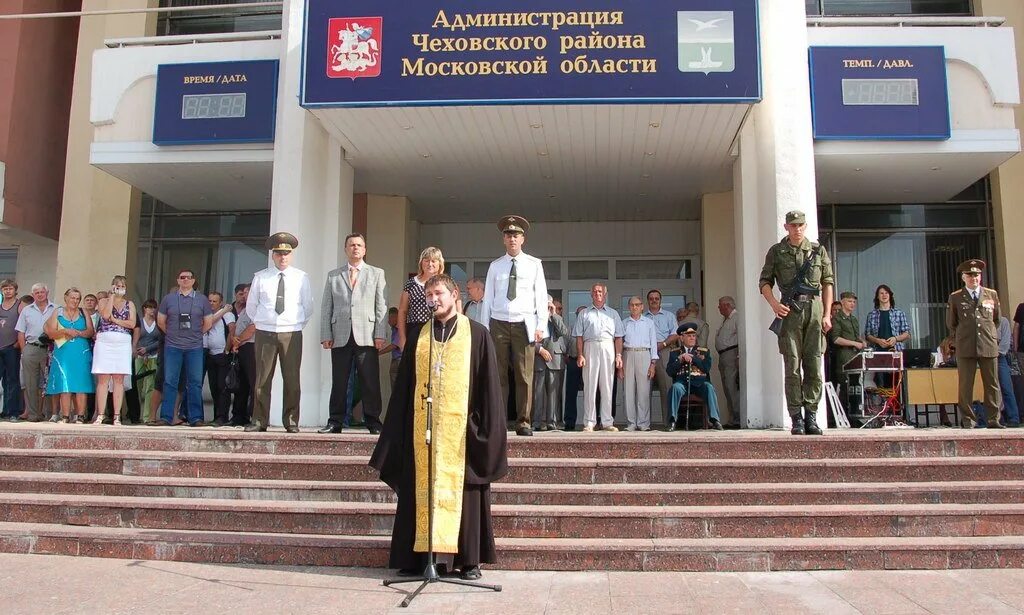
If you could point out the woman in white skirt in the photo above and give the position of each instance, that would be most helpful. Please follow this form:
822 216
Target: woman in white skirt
112 355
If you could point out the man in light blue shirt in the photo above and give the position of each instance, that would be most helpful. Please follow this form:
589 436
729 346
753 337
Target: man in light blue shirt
639 356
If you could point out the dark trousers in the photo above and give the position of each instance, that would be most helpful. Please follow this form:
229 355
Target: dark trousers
573 384
273 347
10 375
367 366
513 348
241 409
216 366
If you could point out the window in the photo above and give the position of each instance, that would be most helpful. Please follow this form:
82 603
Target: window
9 265
223 248
914 249
252 19
887 7
552 270
588 270
652 269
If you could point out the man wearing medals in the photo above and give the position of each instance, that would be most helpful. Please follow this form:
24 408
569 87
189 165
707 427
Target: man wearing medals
468 437
972 315
689 368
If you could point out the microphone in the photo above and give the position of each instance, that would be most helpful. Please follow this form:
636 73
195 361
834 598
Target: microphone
433 307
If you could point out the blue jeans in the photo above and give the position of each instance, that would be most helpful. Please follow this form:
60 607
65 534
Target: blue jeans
1010 411
174 360
10 375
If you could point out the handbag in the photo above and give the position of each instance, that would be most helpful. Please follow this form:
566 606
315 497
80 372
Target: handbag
232 378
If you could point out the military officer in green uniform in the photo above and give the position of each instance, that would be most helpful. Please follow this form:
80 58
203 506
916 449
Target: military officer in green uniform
801 342
972 315
845 334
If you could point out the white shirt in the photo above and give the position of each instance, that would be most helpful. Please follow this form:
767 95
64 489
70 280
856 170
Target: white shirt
664 323
531 303
215 340
596 324
640 333
298 300
728 334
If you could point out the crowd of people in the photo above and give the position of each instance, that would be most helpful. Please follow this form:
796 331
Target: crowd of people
101 358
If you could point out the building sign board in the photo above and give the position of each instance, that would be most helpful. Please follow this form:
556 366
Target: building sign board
879 93
366 53
216 102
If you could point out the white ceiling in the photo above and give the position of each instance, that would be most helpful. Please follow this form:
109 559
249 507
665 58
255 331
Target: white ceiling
909 171
548 163
229 177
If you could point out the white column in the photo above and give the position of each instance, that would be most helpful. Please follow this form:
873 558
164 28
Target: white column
312 199
773 174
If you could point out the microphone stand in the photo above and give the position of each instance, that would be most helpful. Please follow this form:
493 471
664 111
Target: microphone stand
430 574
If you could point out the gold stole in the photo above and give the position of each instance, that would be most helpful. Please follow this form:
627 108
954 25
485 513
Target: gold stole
451 406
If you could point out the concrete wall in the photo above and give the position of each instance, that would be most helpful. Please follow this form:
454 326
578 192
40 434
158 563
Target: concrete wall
388 225
98 210
718 227
1008 179
37 64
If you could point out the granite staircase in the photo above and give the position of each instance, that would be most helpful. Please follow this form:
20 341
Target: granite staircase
696 501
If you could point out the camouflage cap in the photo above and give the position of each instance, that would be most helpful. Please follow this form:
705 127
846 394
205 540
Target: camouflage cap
796 217
847 294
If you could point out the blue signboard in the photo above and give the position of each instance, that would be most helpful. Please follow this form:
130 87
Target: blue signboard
216 102
365 53
879 93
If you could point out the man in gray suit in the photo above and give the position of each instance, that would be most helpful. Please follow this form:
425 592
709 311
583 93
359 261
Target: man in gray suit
549 373
354 326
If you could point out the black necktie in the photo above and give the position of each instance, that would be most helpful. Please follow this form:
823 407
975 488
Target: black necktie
279 304
511 294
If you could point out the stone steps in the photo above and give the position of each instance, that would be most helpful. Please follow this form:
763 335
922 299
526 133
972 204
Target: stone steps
569 522
746 554
651 445
679 501
747 494
538 470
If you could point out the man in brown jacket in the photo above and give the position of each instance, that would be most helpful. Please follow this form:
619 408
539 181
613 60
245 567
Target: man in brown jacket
972 315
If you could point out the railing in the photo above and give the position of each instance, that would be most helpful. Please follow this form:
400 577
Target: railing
188 39
906 20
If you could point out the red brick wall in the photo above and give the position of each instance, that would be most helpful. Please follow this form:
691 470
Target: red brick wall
37 64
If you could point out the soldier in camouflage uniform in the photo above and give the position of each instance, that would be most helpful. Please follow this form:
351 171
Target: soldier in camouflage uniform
800 341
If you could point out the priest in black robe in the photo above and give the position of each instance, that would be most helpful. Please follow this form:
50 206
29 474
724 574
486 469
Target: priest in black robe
466 391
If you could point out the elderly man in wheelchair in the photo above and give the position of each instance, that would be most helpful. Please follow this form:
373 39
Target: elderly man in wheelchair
689 368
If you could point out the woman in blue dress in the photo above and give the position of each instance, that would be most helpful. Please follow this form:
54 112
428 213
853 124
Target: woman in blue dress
71 369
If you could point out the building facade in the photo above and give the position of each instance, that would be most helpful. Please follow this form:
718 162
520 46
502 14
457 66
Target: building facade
892 123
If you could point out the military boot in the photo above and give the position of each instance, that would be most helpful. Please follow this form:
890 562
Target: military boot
798 424
811 424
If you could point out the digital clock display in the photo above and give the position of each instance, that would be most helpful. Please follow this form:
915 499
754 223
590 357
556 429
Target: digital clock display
212 106
891 92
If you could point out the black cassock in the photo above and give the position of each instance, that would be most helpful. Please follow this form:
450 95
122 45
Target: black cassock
486 453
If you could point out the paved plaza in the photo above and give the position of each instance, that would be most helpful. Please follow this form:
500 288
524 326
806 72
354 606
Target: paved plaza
48 584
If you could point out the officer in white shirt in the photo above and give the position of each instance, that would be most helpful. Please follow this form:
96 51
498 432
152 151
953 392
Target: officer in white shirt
280 304
515 310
